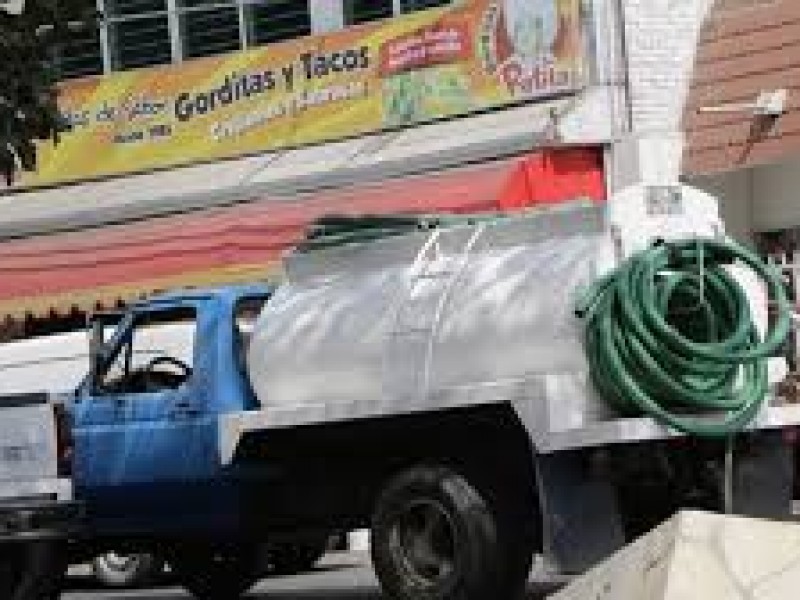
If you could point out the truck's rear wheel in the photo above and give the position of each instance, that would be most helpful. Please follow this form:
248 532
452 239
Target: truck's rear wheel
435 536
30 570
216 572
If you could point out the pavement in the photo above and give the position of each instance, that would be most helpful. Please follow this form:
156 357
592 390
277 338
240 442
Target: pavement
339 576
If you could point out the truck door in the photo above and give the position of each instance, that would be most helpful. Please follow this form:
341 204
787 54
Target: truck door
143 439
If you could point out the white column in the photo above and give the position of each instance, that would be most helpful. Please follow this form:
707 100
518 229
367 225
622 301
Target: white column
105 43
645 159
397 7
176 41
326 15
244 38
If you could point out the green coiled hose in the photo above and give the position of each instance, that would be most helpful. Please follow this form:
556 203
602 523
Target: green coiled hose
669 334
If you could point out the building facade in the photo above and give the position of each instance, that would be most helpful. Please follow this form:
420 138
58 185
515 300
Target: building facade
749 51
199 153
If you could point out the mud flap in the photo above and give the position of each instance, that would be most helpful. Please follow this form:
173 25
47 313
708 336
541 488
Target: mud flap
581 518
762 476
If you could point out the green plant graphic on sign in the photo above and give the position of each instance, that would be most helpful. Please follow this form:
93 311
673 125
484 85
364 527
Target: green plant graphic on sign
417 96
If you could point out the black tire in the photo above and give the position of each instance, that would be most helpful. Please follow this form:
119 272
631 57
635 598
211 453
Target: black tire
435 536
216 572
116 570
291 559
31 570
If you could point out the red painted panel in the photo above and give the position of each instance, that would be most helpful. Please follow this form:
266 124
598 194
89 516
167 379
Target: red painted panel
555 177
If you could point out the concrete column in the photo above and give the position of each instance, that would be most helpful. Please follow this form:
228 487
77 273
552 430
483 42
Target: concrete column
105 45
326 15
175 35
653 159
661 40
241 11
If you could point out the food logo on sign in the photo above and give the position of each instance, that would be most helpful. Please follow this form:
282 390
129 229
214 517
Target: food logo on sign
532 45
432 64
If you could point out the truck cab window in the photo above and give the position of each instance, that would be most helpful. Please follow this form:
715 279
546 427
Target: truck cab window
156 354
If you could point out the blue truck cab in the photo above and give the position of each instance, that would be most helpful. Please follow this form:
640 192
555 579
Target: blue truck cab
146 417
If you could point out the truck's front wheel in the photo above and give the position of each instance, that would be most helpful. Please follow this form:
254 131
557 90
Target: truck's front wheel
216 572
30 570
435 536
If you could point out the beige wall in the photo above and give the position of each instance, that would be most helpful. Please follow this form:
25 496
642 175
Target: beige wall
734 191
776 196
757 199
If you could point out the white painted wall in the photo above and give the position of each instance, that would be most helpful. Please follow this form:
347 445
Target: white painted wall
55 363
58 363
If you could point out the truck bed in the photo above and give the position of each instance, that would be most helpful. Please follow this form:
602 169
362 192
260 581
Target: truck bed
547 422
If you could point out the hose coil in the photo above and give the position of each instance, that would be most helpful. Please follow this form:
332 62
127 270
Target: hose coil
669 334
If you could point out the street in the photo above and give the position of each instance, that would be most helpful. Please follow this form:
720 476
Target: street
328 583
339 577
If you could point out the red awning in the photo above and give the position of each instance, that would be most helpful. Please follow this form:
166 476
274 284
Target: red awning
83 269
555 177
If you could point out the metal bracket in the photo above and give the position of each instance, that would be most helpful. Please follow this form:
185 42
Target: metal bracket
767 104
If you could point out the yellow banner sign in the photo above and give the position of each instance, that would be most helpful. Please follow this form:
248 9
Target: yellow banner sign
473 55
